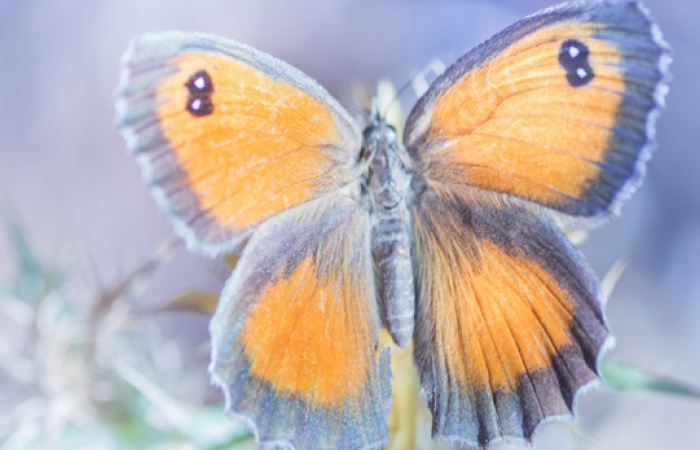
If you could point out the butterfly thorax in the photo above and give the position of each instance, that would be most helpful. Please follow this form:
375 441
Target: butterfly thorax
388 181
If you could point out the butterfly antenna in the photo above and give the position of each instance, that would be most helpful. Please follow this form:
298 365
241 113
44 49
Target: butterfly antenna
374 114
352 107
396 96
418 81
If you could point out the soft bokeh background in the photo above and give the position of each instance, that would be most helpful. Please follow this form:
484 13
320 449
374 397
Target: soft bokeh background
65 169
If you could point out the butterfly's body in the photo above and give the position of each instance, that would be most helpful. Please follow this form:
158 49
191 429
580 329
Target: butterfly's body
449 242
389 182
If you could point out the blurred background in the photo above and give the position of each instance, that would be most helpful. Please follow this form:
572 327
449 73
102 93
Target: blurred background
66 176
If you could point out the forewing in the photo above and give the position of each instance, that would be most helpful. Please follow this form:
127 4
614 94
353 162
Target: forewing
558 109
295 334
509 322
228 136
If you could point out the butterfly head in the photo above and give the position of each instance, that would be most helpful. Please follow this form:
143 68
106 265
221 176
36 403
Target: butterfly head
380 134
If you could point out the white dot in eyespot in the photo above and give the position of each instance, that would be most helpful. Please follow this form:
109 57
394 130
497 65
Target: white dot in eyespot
574 52
196 104
200 83
581 72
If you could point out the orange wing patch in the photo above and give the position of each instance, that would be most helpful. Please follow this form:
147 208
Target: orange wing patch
259 152
295 334
228 136
556 109
510 319
542 138
500 316
537 137
297 338
509 326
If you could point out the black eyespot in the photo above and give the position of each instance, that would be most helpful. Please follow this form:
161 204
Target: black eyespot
200 82
200 106
200 88
573 57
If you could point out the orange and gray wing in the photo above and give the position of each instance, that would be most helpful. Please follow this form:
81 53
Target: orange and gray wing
295 335
509 322
228 136
558 109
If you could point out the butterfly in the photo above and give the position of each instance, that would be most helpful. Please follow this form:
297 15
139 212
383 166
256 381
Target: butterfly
447 237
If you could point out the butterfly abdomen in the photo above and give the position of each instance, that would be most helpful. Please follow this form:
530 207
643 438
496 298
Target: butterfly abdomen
391 245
